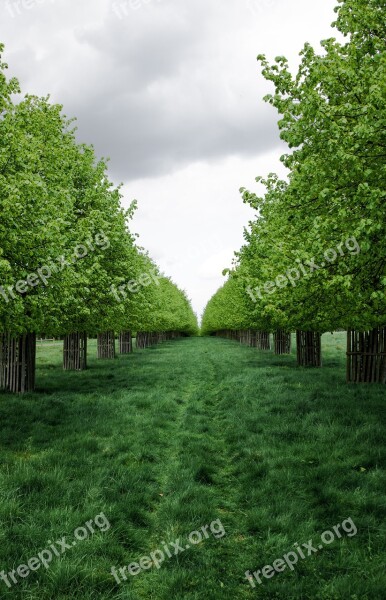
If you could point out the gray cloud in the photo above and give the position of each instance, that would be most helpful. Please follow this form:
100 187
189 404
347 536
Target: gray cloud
170 90
157 82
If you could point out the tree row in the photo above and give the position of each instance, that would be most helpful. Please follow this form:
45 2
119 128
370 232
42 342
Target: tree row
314 258
69 264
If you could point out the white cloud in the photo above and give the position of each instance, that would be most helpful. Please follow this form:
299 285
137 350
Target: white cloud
172 93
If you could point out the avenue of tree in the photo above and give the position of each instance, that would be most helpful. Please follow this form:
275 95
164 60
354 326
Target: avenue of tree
314 259
69 265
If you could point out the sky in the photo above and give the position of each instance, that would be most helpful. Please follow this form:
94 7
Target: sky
171 92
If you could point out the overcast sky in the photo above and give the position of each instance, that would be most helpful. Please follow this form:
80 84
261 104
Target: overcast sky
171 92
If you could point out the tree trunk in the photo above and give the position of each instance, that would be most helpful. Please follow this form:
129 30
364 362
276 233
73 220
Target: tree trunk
263 340
366 356
253 339
106 344
308 348
140 340
75 352
17 363
282 341
125 342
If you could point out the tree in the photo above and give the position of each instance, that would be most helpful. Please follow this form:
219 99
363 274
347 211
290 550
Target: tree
332 115
315 256
65 244
35 148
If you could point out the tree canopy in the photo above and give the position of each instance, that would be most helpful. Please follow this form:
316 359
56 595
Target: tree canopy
66 248
315 256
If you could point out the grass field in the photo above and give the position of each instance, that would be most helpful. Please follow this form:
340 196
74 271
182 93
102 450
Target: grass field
199 432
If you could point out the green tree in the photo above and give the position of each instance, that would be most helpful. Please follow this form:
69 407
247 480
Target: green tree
333 117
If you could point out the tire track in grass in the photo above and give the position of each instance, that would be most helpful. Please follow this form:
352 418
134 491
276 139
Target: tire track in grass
169 359
198 485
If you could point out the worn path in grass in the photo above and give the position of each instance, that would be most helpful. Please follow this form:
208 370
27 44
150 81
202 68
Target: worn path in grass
169 440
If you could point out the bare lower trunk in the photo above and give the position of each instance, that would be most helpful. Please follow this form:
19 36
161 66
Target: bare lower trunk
282 342
75 352
263 340
106 344
125 342
17 363
140 340
174 335
366 356
145 339
308 349
244 337
253 339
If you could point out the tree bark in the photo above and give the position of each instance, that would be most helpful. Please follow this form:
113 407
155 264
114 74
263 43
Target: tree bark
308 348
75 352
106 344
263 340
17 363
140 340
125 342
253 339
366 356
282 342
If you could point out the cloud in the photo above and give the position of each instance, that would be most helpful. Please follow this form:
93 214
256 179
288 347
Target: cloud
171 91
163 84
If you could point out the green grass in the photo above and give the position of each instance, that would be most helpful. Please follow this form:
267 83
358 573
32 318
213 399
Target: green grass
170 439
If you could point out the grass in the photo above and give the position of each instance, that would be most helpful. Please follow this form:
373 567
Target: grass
168 440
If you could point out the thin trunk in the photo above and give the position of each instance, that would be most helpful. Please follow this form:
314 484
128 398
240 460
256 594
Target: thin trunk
366 356
17 363
253 339
140 340
282 342
125 342
75 352
106 344
308 349
263 340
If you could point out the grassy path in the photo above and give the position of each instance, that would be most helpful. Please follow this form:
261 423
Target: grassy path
195 433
